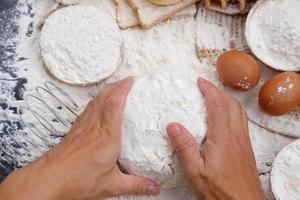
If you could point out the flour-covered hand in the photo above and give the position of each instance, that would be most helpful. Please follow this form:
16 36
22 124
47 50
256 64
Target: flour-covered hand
225 167
84 164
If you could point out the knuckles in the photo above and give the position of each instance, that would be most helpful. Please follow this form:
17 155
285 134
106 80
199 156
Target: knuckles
184 144
138 187
110 103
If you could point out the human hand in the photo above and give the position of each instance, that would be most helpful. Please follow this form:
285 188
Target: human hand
84 164
225 167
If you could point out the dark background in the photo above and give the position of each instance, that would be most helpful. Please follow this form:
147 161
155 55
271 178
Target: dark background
9 15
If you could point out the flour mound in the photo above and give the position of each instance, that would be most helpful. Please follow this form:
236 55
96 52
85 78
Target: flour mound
285 174
81 44
156 100
273 33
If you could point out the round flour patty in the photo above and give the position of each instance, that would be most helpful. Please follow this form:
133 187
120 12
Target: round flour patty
285 174
81 44
154 101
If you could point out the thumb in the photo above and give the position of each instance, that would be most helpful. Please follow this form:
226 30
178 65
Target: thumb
135 185
186 148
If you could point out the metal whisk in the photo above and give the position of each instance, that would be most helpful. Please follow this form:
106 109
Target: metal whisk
45 117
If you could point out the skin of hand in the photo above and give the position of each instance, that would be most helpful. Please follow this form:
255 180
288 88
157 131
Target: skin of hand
84 165
224 168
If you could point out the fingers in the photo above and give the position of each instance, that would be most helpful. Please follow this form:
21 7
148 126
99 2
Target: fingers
186 148
225 114
135 185
103 95
235 114
216 107
113 106
245 121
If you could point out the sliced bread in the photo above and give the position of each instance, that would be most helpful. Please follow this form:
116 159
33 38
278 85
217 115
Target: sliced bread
149 14
68 2
127 18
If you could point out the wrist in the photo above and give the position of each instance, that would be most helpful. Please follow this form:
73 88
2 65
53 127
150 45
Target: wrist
35 181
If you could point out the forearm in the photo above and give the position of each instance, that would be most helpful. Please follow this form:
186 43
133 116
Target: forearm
35 181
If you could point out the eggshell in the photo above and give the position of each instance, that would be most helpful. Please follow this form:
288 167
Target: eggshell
280 94
238 70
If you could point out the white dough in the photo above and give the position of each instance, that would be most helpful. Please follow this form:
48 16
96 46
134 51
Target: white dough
81 44
285 174
150 56
156 100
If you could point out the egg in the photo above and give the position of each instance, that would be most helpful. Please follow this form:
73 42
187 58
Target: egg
280 94
238 70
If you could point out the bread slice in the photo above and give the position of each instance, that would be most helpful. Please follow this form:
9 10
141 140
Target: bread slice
127 18
149 14
188 12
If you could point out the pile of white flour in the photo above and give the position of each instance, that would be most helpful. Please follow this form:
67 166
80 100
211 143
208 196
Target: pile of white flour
285 174
273 33
81 44
174 41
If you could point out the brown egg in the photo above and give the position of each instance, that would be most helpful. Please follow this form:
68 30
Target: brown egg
280 94
238 70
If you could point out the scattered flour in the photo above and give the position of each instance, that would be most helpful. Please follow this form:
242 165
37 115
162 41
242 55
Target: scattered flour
273 33
281 89
285 174
149 50
81 44
265 144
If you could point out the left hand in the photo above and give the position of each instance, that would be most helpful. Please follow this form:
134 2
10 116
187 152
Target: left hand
84 164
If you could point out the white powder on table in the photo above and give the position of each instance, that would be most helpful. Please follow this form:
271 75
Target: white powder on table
273 33
285 174
81 44
68 2
266 144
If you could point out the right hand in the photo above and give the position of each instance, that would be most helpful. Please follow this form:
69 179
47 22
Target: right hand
225 167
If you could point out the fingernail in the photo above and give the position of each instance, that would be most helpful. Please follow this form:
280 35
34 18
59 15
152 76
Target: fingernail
153 190
201 79
127 82
173 129
200 86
